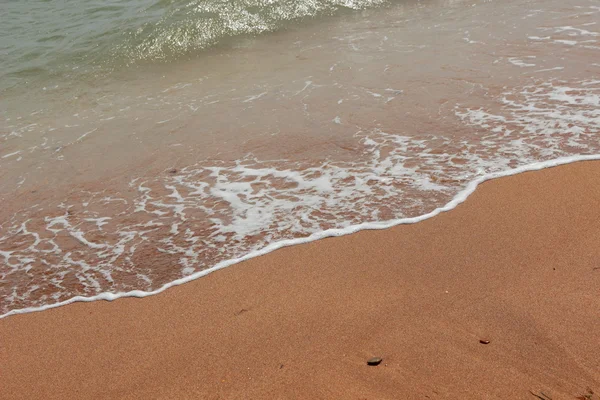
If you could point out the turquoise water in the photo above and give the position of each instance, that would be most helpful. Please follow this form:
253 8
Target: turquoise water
42 41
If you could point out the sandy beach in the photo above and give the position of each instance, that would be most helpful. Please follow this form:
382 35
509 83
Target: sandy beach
517 265
147 144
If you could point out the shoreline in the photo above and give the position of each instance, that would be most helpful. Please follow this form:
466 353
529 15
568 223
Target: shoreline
515 265
103 191
461 197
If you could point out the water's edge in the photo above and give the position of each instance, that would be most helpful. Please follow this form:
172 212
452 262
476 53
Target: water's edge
458 199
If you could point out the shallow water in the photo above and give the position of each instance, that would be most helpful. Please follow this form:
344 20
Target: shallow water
45 42
147 174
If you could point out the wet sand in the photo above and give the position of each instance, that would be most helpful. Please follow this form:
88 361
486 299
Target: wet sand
517 264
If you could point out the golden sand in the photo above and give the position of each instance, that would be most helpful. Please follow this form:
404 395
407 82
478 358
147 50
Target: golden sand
518 265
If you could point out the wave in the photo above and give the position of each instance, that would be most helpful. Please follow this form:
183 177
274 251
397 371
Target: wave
188 26
458 199
82 37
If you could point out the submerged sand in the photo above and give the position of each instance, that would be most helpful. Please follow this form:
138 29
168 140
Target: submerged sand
518 265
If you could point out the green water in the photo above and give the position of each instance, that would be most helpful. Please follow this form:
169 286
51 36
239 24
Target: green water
47 43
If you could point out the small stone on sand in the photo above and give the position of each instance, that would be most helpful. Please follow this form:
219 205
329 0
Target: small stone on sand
374 361
483 341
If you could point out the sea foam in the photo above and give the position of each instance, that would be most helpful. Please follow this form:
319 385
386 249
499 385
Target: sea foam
458 199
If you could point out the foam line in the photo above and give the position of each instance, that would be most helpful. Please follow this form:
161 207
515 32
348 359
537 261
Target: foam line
458 199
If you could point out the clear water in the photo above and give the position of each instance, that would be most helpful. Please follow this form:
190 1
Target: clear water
73 39
142 143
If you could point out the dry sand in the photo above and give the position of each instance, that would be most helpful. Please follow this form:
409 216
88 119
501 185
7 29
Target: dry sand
517 264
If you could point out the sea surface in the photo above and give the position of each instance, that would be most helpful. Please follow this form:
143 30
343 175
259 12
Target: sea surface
146 142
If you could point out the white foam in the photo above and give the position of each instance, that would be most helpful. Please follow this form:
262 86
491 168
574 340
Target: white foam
307 84
550 69
577 31
567 42
519 63
76 233
254 97
11 154
533 123
458 199
85 134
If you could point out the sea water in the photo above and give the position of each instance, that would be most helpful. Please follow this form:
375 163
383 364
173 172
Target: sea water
145 143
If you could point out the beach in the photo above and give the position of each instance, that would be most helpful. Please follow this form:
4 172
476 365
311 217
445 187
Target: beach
495 299
219 153
317 199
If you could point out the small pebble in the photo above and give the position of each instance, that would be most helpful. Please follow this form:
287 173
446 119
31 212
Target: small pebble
483 341
173 171
374 361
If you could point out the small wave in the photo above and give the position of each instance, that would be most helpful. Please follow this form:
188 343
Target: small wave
80 37
458 199
179 224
